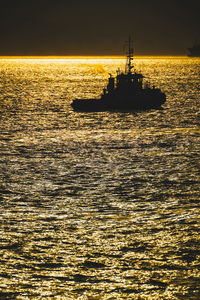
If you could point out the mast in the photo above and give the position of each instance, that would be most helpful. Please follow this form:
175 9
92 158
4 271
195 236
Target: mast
129 56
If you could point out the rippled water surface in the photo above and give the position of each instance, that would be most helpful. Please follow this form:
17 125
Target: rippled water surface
98 205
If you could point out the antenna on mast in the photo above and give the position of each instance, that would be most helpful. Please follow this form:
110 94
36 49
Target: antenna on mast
129 56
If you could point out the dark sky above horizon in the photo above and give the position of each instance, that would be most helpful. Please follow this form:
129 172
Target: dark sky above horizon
66 27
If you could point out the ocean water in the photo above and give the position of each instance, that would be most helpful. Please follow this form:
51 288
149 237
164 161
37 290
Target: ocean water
98 205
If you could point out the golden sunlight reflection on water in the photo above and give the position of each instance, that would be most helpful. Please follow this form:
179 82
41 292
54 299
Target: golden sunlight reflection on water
98 205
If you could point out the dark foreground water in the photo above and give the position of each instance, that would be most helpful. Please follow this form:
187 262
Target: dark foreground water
98 205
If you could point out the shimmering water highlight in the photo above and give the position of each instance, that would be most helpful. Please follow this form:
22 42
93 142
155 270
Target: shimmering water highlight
98 205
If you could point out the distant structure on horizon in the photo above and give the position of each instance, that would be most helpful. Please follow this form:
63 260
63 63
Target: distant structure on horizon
195 50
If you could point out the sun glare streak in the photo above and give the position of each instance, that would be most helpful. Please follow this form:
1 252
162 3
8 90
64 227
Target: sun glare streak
81 60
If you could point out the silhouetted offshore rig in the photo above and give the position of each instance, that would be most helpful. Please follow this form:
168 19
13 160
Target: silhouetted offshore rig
194 51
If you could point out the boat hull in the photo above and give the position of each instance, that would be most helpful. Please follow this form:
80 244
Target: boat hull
114 104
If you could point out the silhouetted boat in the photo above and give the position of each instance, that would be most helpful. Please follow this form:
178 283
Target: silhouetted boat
125 92
194 51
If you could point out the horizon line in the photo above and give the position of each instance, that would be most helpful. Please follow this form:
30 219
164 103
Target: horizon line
86 56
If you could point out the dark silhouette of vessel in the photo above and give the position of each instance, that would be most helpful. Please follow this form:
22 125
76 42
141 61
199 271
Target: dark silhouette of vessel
194 51
125 92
